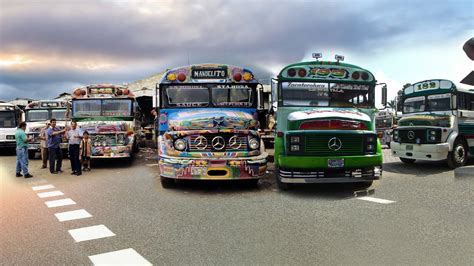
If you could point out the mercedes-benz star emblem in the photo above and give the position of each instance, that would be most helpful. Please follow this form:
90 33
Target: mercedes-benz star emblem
334 144
218 143
200 143
411 135
235 143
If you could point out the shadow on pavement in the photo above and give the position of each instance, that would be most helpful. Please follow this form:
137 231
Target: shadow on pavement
419 168
331 191
7 152
213 186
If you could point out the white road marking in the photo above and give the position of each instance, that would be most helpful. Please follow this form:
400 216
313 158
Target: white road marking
50 194
371 199
72 215
151 164
59 203
120 257
90 233
42 187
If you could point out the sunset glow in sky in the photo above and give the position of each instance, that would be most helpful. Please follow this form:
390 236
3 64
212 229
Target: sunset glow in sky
51 46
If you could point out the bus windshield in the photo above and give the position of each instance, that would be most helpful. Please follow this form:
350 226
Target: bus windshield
37 115
187 96
225 95
7 119
413 105
327 94
383 122
232 95
58 114
105 107
440 102
436 102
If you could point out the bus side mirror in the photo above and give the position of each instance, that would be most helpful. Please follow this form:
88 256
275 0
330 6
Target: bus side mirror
384 95
260 104
156 99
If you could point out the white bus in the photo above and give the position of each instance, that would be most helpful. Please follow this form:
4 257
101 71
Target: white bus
37 113
10 117
437 123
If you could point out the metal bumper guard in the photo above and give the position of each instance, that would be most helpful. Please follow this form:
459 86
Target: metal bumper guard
213 168
330 175
431 152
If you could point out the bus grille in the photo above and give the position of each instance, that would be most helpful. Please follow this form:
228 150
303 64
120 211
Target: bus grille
239 145
318 145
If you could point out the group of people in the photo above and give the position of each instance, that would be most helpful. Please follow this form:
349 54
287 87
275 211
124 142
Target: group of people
79 148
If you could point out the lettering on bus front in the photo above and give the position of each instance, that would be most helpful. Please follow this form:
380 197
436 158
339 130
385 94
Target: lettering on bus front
215 73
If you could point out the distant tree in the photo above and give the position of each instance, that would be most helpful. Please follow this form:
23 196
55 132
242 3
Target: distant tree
391 104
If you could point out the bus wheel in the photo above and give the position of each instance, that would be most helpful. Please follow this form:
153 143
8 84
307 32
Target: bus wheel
407 161
457 157
31 154
281 185
167 182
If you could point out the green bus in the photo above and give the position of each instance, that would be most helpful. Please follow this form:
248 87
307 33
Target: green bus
326 124
437 123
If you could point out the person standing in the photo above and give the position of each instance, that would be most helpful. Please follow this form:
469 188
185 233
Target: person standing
22 151
55 155
44 145
74 137
86 151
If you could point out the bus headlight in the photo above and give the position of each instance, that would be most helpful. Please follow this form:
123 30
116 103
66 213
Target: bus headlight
295 139
294 147
254 144
432 132
371 144
11 137
395 135
180 144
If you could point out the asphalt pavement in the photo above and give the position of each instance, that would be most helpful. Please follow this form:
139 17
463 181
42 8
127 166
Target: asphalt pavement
417 214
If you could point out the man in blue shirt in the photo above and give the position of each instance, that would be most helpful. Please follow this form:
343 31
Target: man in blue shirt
22 151
55 154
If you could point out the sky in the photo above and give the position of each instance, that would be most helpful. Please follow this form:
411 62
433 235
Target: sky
49 46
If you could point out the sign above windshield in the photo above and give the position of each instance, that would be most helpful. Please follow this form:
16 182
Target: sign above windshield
209 73
428 85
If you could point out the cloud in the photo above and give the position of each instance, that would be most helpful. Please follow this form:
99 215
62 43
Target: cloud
117 40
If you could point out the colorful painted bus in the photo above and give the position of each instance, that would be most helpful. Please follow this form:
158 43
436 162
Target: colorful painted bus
37 114
326 124
108 113
10 117
208 125
437 123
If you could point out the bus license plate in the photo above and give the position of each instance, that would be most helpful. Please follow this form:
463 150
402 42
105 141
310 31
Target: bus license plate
409 147
335 163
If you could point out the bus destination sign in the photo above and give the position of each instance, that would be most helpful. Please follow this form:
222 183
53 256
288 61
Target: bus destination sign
209 73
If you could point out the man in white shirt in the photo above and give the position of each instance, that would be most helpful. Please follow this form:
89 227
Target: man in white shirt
74 136
43 137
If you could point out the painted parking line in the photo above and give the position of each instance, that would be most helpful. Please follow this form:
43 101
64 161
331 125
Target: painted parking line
59 203
376 200
120 257
36 188
72 215
50 194
90 233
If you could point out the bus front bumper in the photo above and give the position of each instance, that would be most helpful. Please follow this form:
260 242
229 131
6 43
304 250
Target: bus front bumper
430 152
213 168
7 144
310 169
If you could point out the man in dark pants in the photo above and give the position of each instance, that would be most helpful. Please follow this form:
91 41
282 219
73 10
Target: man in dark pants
74 137
55 154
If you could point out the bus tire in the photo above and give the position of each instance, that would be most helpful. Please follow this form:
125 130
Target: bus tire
31 155
167 182
458 156
281 186
407 160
